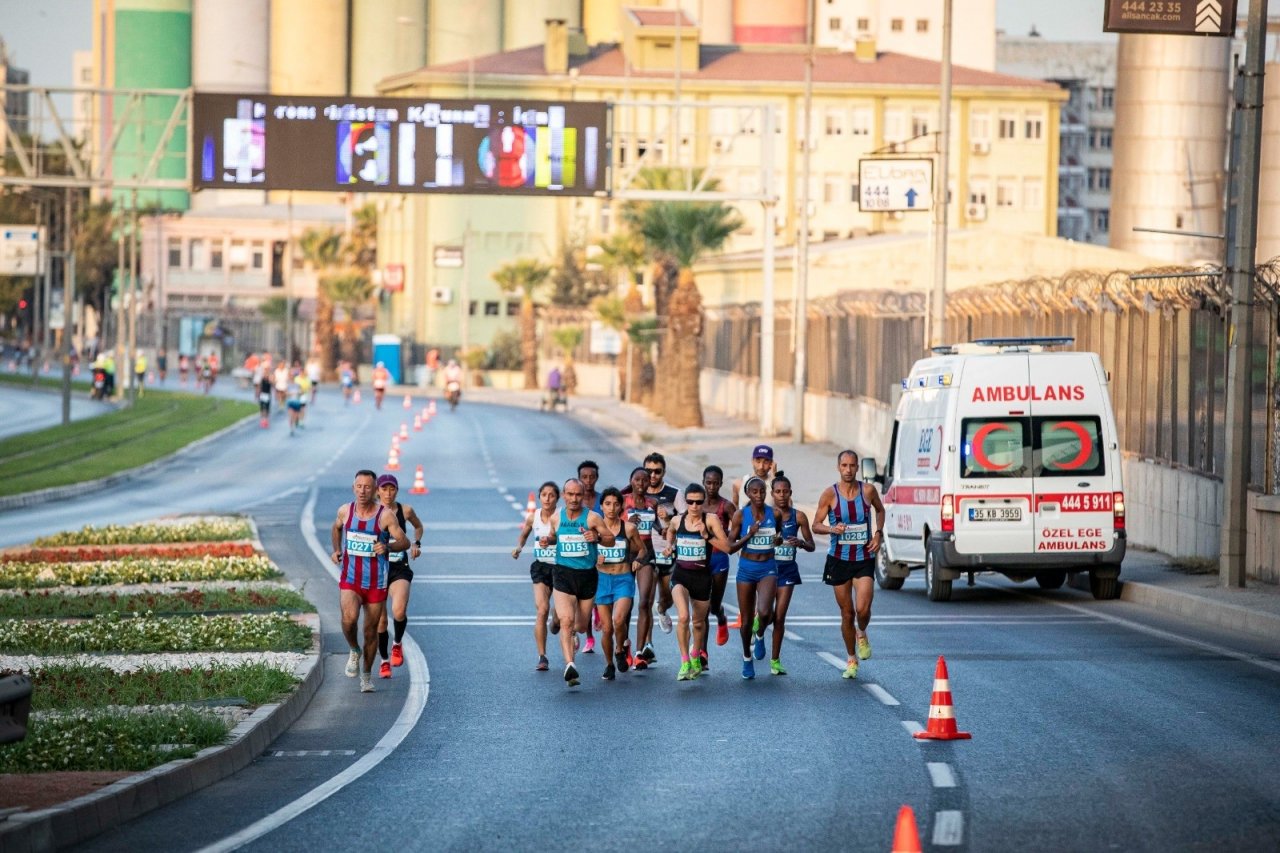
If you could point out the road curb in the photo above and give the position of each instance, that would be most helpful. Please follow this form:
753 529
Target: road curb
87 816
1220 614
75 490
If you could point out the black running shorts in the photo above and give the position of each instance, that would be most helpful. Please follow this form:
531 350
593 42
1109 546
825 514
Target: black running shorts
399 572
698 583
838 572
580 583
540 572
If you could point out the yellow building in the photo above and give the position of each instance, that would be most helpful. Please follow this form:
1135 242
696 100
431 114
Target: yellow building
1003 170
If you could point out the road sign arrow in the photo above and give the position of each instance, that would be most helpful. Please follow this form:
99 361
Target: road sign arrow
1208 16
911 198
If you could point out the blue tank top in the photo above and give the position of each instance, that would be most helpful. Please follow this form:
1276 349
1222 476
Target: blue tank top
573 551
790 530
762 542
691 548
852 544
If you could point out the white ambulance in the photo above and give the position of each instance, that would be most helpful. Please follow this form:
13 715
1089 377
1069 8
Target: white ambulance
1004 458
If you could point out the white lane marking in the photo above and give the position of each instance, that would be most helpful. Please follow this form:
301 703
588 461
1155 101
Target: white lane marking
948 828
912 727
918 621
414 704
833 660
792 636
466 549
310 753
1213 648
885 697
941 774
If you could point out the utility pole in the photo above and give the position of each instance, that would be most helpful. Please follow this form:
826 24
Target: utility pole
937 330
767 427
1242 225
289 354
131 355
68 294
800 309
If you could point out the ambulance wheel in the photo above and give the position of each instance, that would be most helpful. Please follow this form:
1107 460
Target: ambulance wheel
1103 588
1051 580
883 578
938 590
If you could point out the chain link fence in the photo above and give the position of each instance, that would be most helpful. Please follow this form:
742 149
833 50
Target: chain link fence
1161 335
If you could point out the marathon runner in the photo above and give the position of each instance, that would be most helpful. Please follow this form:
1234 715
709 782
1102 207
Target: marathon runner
589 474
347 377
655 464
362 534
723 509
295 401
541 525
282 383
755 530
579 532
689 539
264 396
793 525
399 574
381 377
844 511
640 512
616 587
762 466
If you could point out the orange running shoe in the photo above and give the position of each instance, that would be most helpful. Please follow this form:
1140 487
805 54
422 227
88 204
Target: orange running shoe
397 654
384 671
722 634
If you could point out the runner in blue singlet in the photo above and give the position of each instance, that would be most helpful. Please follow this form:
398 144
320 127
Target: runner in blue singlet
755 531
616 585
579 531
793 526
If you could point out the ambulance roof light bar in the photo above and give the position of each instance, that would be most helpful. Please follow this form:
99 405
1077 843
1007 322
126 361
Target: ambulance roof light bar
1003 345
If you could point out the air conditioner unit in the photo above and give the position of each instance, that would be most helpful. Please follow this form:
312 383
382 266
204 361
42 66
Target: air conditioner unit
975 212
441 295
721 143
982 146
897 215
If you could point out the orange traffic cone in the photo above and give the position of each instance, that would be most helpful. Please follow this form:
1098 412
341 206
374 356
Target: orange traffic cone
942 716
393 459
355 397
426 413
431 407
906 839
737 621
407 403
417 424
419 483
404 432
530 505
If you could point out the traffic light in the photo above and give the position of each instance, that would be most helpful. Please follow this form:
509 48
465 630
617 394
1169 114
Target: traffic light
22 305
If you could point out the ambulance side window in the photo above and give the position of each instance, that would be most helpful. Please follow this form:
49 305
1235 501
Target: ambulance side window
893 457
995 447
1068 446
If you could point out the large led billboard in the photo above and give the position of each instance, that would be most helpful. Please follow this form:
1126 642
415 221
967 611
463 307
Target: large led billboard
399 145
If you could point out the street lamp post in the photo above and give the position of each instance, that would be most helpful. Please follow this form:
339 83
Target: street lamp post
800 313
938 298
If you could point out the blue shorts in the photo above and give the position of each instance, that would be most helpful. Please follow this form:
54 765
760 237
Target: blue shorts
750 571
789 573
719 563
612 588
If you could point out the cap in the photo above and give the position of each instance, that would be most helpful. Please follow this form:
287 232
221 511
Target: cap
388 480
762 451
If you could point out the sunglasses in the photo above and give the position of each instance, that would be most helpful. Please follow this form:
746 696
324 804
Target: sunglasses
654 470
694 503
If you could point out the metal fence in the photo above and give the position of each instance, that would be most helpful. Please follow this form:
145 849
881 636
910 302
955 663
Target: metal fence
1161 335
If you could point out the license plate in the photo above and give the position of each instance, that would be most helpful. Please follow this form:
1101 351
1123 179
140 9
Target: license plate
995 513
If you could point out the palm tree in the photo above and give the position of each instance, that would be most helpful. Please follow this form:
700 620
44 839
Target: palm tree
525 276
684 232
568 338
276 310
351 291
322 249
612 312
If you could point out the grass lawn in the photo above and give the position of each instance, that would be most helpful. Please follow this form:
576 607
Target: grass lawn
64 688
62 606
157 425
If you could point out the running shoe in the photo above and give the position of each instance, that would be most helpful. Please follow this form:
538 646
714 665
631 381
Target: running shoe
595 619
384 671
623 657
577 641
851 671
647 654
366 682
590 647
702 663
722 633
543 664
775 666
758 651
748 668
555 625
686 672
397 654
571 675
609 673
696 666
353 664
640 664
664 621
864 647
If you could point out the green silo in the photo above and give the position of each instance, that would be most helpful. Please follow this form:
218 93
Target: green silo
153 51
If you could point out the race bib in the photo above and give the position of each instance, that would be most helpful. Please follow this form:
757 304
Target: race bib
360 544
858 534
785 553
616 554
690 549
544 555
397 556
660 558
643 522
763 539
574 545
264 397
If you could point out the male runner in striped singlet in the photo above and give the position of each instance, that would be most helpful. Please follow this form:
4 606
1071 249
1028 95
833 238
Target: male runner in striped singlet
362 534
844 512
399 576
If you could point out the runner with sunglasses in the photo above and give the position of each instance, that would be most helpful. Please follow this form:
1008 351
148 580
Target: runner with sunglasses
690 538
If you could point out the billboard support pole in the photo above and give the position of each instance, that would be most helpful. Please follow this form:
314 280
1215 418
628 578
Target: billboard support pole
937 330
767 427
68 295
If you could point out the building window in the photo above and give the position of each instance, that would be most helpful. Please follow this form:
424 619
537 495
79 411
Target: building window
920 123
833 124
513 309
259 254
895 125
1106 98
1100 221
215 255
833 24
854 189
1008 126
864 24
1032 194
896 25
831 189
1006 192
239 255
978 191
862 118
1099 179
922 25
1034 127
491 309
471 307
1100 139
980 126
175 253
196 257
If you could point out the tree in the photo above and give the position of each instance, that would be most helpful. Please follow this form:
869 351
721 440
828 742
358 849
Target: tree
568 338
362 245
572 284
350 290
276 310
525 276
322 249
612 312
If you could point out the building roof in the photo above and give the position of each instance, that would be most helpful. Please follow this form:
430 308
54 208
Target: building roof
660 17
735 63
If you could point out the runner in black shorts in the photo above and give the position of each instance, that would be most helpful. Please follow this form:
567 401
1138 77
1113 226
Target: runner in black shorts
579 531
690 538
399 575
541 525
844 511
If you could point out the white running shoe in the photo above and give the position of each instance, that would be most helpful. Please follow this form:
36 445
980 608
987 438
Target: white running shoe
353 664
366 682
664 621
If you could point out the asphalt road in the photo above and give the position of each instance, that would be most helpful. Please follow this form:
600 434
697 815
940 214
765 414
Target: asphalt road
1096 725
23 411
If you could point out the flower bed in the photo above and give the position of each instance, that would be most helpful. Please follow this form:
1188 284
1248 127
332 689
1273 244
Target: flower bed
43 603
102 573
159 551
62 687
203 530
148 633
112 740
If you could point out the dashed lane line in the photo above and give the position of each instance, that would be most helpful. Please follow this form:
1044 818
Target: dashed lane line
941 774
885 697
948 828
833 660
311 753
912 727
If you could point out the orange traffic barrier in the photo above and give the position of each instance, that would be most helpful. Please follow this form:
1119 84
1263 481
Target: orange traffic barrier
942 715
906 838
393 459
417 424
407 402
419 483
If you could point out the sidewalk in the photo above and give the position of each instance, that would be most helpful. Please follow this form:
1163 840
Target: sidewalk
1148 578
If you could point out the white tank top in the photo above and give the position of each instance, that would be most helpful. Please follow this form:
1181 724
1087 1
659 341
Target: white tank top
540 529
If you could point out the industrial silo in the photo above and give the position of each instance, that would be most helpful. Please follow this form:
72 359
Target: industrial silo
1170 140
460 30
1269 186
309 47
387 37
525 21
152 50
229 53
